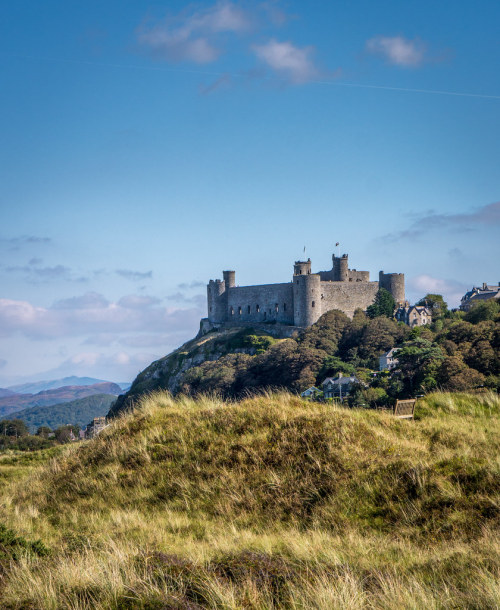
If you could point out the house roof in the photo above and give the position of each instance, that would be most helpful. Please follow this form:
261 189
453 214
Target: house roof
340 380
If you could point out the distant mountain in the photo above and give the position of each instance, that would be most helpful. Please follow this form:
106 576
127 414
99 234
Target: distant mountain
40 386
17 402
4 392
77 412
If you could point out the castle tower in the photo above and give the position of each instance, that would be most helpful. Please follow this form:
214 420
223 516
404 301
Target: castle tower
216 298
394 283
340 268
306 295
302 267
229 279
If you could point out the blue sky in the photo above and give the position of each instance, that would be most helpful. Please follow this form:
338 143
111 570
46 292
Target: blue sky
146 147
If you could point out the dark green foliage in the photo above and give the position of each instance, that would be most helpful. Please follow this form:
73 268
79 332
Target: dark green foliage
490 310
14 547
436 303
13 427
65 434
455 353
383 305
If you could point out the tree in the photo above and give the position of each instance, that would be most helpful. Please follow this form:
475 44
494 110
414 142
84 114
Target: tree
13 427
483 311
436 303
383 305
418 361
43 431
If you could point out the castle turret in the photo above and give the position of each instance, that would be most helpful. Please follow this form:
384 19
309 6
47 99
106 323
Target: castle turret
302 267
216 297
394 283
306 297
340 268
229 278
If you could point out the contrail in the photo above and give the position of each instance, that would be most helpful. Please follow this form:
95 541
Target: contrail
237 75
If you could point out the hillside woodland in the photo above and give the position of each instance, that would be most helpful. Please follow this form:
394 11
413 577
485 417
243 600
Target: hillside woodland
77 412
270 502
457 352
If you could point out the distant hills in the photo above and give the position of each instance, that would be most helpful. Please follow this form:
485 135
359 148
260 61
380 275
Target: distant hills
17 402
77 412
40 386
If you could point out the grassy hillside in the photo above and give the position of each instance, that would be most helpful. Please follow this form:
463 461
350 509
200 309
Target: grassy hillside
270 502
77 412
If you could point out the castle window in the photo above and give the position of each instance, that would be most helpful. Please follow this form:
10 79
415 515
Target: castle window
210 309
239 311
249 309
284 306
265 315
231 311
257 308
313 304
276 307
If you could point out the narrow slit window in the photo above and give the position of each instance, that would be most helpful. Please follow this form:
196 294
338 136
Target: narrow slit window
249 309
313 304
239 311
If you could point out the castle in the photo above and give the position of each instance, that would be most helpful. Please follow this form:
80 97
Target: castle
300 302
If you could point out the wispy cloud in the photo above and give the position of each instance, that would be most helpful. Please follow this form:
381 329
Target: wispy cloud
191 285
36 274
488 215
194 36
423 284
92 314
16 243
291 62
129 274
398 50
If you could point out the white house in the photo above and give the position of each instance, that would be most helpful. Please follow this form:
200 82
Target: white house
388 361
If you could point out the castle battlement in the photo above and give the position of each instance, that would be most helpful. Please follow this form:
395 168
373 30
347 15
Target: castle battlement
303 300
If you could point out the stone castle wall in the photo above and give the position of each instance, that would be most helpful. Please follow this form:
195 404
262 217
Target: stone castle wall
347 296
265 303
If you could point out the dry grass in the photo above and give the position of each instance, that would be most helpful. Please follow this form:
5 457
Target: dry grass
267 503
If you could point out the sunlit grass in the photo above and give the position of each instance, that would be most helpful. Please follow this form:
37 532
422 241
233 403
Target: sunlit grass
270 502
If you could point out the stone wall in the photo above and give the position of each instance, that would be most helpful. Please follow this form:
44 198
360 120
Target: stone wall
258 304
347 296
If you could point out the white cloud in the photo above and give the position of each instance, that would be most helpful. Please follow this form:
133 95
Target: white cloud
398 50
292 62
91 314
423 284
195 36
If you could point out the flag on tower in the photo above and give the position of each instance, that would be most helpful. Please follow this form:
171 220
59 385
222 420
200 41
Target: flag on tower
337 244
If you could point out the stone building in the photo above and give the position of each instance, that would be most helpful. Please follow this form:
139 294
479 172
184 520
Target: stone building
339 387
299 302
479 295
414 315
96 425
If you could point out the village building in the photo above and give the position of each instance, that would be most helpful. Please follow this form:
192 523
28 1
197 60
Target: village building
311 392
479 295
414 315
339 387
95 427
388 361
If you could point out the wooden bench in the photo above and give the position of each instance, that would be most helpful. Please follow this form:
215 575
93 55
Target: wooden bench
405 409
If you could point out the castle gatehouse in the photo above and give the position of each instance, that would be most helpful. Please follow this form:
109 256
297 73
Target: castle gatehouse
300 302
